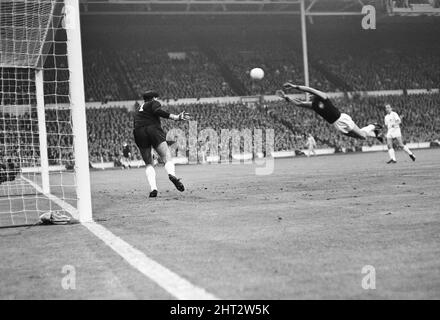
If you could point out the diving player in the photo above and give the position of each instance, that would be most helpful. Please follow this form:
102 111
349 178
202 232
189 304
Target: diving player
148 134
323 106
392 122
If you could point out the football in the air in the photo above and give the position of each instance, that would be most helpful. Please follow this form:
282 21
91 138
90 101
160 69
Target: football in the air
257 73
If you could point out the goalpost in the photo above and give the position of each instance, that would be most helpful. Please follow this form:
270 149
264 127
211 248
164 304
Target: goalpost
43 139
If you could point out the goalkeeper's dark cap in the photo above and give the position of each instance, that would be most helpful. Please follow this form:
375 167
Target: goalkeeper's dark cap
149 95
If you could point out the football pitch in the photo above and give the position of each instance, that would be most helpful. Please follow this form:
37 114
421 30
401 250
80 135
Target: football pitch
304 232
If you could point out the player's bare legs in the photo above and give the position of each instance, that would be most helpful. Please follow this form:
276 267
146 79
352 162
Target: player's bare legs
392 153
363 133
165 153
405 148
149 170
357 133
393 121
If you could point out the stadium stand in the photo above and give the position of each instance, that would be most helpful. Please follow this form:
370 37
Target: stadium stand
340 59
181 73
385 64
180 67
109 128
280 63
100 83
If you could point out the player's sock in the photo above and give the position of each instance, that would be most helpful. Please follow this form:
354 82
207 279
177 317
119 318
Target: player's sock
170 168
406 149
392 154
411 155
151 177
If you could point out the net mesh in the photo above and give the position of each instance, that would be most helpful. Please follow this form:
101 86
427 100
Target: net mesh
33 40
23 29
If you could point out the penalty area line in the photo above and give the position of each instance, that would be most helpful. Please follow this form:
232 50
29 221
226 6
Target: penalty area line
171 282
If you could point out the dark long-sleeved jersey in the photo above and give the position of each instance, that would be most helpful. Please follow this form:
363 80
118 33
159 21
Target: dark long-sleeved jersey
326 109
149 114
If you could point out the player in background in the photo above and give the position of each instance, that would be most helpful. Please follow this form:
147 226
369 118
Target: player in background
392 122
311 145
126 155
323 106
149 134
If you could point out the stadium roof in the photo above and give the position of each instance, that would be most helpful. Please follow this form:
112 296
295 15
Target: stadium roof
313 7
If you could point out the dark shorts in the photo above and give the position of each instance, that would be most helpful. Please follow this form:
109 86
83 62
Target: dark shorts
147 137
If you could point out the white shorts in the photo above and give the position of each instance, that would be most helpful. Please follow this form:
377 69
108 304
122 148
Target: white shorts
394 133
344 124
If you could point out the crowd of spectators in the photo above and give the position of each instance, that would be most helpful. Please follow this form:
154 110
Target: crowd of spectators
19 138
379 63
109 128
100 70
188 75
279 62
360 62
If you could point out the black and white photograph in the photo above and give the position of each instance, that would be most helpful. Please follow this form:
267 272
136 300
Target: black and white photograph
227 154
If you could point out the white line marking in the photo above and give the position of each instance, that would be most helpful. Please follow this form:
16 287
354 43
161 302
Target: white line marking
69 208
165 278
171 282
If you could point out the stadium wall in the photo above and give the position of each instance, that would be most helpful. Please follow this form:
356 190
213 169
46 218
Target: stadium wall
237 158
247 158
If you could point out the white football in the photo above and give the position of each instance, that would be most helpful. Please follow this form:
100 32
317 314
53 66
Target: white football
257 73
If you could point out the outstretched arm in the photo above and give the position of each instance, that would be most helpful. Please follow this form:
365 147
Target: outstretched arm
316 92
183 116
296 102
157 109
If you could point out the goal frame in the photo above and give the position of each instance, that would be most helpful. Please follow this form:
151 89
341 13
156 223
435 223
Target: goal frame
78 110
83 211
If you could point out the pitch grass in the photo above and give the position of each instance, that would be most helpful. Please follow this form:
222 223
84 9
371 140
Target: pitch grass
305 231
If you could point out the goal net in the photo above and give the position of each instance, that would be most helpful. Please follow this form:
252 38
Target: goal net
43 144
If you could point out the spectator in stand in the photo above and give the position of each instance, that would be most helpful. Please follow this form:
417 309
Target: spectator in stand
108 128
126 156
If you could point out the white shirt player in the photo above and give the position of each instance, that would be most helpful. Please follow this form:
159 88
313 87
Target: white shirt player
392 121
311 143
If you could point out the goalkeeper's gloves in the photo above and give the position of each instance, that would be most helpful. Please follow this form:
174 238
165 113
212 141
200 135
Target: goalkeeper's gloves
282 95
183 116
54 217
